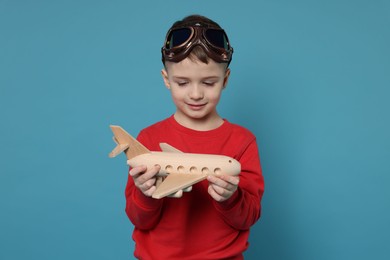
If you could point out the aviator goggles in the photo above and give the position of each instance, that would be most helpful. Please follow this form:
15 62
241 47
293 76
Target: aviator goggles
181 40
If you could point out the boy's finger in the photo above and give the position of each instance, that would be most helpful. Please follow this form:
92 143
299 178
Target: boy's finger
219 190
224 181
137 170
217 193
231 179
150 173
150 191
148 184
142 174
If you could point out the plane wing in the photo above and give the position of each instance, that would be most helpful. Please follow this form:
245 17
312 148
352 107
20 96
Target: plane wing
175 182
169 148
118 149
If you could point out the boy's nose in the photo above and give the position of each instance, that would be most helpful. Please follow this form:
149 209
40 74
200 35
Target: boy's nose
196 92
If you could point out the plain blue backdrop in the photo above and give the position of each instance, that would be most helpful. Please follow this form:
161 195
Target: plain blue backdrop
310 79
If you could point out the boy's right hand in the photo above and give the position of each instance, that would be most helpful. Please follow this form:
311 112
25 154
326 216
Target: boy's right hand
145 179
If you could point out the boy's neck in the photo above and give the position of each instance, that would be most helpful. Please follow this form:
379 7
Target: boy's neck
202 124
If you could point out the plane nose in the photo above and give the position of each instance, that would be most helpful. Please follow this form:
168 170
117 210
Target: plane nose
235 166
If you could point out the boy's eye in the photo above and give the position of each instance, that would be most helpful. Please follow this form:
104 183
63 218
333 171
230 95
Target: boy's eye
182 83
209 83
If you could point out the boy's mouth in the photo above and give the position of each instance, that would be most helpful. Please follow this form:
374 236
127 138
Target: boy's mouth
196 106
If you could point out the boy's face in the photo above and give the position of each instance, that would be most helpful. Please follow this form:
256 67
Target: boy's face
196 88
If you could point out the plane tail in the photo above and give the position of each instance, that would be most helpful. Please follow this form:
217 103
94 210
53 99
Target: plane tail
126 143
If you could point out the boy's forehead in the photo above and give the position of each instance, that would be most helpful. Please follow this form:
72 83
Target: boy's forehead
195 66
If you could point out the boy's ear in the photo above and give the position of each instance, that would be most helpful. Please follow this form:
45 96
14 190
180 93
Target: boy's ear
164 74
226 78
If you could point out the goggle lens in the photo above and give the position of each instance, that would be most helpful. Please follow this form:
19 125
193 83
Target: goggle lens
217 38
178 37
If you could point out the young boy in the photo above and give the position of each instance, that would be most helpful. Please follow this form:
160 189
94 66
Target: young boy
213 220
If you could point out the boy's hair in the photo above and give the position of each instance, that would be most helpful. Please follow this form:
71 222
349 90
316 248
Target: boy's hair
197 53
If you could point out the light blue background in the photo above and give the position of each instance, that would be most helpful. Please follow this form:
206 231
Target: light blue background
309 78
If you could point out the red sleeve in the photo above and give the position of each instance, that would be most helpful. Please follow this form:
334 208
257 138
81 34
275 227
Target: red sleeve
143 212
243 209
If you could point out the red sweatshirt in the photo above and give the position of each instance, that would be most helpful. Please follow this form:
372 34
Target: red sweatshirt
195 226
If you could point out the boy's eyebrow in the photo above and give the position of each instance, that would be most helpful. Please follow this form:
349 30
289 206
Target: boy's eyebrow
178 78
211 77
185 78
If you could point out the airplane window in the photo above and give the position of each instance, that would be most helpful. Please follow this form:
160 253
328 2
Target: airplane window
205 170
181 169
217 171
169 168
193 169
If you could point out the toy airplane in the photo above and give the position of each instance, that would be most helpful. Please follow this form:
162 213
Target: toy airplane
179 170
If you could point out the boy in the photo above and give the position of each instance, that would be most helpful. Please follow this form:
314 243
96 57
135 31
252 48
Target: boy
213 220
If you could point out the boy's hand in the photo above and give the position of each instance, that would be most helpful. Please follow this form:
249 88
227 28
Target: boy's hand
145 179
222 187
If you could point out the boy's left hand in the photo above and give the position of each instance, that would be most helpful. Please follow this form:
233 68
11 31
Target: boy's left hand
222 187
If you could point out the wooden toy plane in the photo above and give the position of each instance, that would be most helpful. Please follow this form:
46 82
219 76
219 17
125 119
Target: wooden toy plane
179 170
